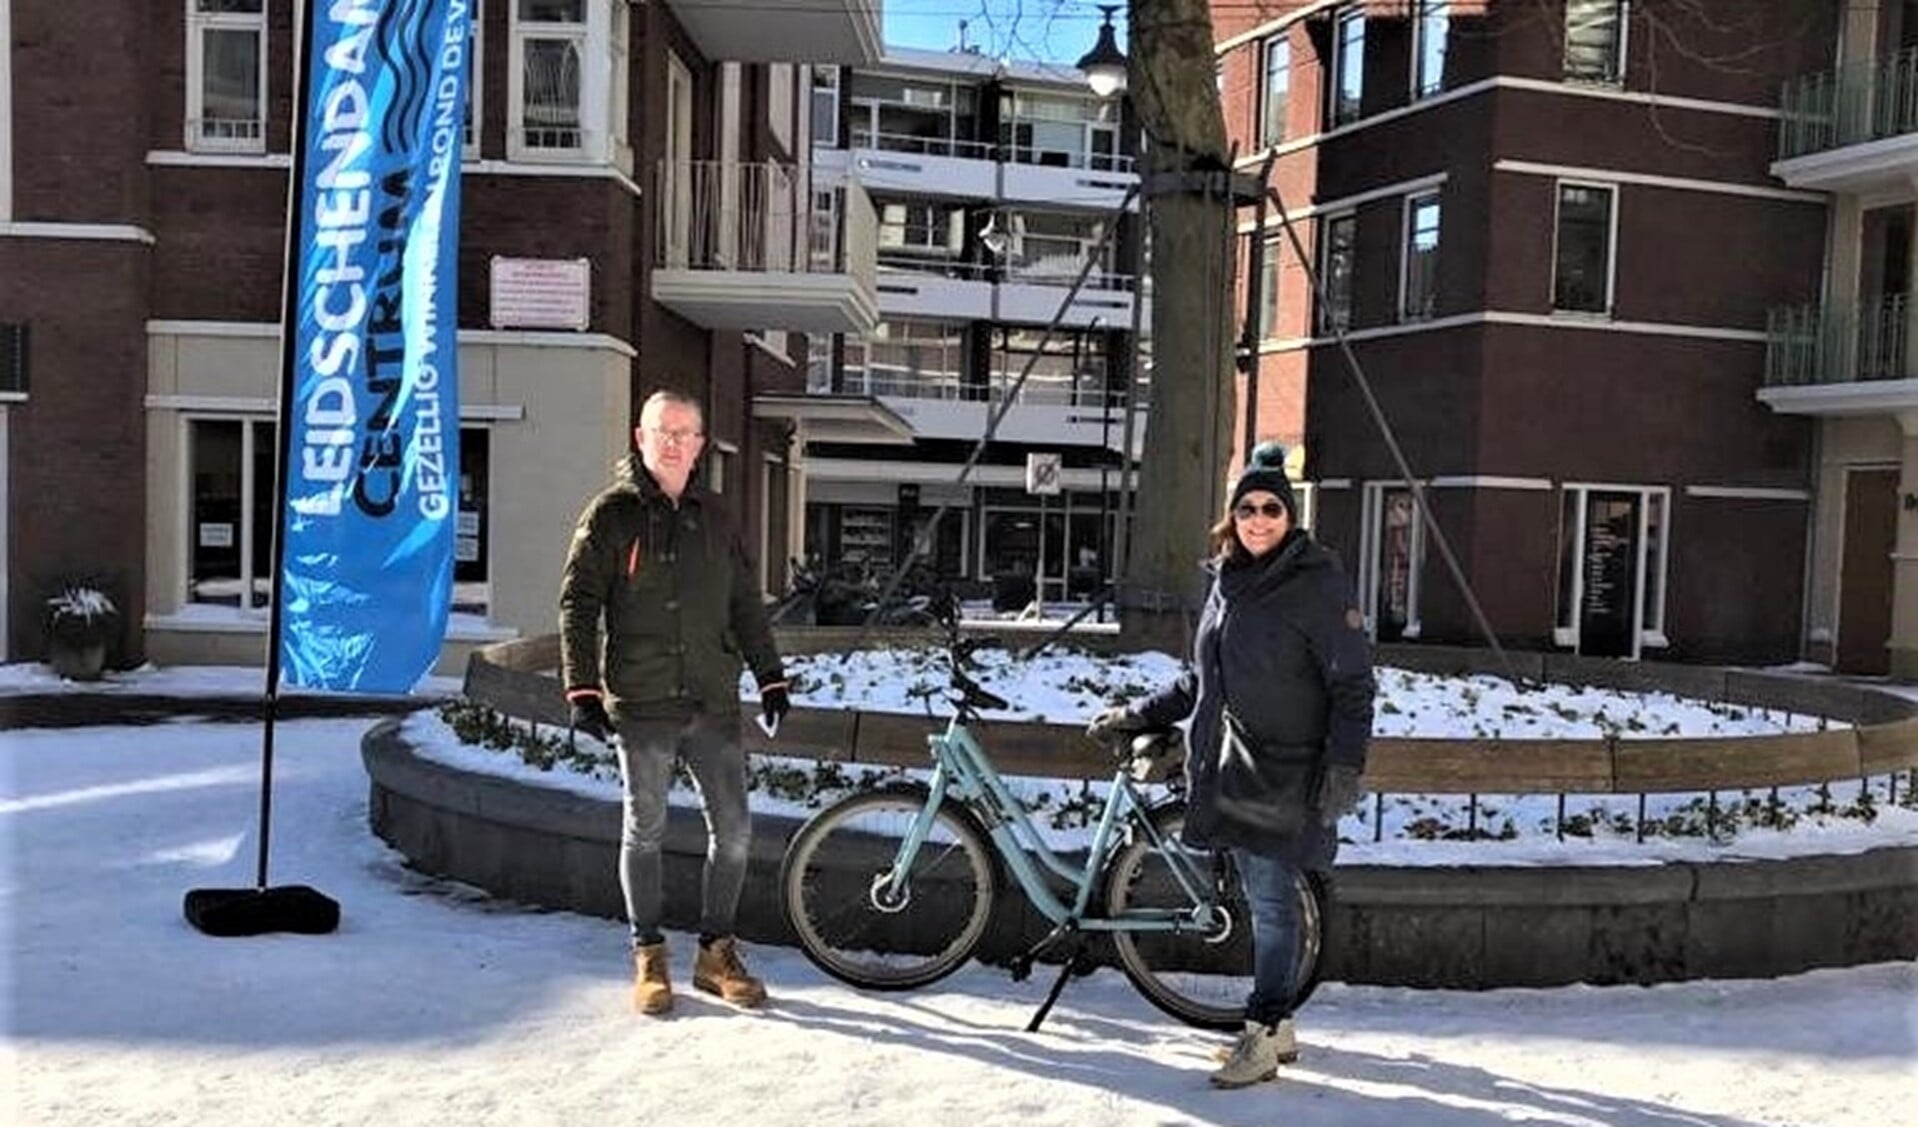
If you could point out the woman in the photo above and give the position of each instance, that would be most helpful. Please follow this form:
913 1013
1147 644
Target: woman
1280 694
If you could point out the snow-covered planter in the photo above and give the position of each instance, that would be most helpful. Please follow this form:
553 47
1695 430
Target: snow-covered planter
80 619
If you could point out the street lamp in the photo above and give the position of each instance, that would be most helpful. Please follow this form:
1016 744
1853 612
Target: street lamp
1105 64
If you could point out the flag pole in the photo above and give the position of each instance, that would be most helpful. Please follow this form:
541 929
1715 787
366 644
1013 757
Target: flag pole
295 908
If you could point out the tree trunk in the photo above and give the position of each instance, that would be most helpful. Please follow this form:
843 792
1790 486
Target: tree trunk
1189 426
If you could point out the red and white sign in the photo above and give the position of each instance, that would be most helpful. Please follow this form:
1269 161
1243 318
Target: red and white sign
540 293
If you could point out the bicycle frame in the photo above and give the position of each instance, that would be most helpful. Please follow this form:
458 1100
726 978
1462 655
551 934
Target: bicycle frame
963 770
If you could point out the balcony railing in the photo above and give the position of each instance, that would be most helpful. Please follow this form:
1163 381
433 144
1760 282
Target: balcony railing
1811 344
758 218
1864 101
863 137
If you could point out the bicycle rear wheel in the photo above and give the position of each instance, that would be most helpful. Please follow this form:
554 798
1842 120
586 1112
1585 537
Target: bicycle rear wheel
855 924
1201 979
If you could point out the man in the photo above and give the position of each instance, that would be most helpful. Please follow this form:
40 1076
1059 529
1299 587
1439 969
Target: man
660 564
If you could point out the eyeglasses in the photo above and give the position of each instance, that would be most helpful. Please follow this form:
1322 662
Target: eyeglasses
685 437
1271 510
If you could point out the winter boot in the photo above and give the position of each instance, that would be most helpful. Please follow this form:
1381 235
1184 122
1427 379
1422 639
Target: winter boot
717 970
1288 1037
1254 1058
652 990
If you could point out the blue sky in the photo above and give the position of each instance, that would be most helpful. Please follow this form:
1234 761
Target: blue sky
1057 31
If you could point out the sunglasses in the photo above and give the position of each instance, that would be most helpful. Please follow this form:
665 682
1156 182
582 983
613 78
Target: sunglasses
1271 510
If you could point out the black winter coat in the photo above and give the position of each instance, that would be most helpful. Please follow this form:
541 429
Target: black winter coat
673 588
1282 647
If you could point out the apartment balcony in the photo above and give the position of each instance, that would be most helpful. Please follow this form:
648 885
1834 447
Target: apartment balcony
1061 178
1044 413
1854 129
925 286
920 166
1835 360
742 246
783 31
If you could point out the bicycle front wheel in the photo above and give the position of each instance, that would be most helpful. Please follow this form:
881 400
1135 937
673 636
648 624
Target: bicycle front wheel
1198 977
858 924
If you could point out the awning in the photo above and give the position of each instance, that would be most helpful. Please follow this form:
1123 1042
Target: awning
837 418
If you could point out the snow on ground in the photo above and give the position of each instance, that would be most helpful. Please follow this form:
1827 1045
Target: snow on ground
435 1006
1066 686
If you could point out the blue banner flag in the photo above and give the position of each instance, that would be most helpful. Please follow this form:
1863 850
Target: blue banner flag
371 404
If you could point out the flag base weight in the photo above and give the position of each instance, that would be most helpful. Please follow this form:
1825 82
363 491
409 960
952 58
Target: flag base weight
233 912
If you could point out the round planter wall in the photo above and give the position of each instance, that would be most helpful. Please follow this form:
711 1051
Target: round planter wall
1467 927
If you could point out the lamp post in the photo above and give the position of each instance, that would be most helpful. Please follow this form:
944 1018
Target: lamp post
1105 69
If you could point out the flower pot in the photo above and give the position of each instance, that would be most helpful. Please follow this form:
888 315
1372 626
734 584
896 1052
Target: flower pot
77 661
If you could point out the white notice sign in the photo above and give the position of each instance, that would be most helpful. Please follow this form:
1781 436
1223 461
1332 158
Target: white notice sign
540 293
1043 473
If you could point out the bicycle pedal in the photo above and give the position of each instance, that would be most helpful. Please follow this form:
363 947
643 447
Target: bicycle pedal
1020 967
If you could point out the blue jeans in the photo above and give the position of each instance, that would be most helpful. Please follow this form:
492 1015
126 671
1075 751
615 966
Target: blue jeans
1272 893
712 754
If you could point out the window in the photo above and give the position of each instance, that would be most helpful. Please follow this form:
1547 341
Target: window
1060 131
549 43
1613 545
568 81
1269 287
1052 246
1346 93
915 359
922 225
1419 287
470 146
779 104
825 105
1428 52
1338 236
1595 40
472 590
226 75
676 202
230 511
1582 263
13 357
1274 89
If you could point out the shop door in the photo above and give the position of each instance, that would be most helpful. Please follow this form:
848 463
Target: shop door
1864 571
1608 609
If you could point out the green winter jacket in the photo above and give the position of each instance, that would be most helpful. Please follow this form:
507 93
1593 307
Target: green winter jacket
677 598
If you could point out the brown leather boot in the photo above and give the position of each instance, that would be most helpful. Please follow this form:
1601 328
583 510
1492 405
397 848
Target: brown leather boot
718 970
652 990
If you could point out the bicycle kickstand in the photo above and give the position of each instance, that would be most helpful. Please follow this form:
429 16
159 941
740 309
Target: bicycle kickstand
1075 963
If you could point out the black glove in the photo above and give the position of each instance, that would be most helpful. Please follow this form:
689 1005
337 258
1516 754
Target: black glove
774 703
1338 792
1114 722
590 719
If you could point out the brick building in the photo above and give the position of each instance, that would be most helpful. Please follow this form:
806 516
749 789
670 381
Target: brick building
1553 234
650 157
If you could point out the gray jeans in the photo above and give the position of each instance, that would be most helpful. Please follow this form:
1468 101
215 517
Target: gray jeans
711 751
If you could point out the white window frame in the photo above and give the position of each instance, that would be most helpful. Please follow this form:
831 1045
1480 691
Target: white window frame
1426 12
676 202
244 534
592 43
1322 313
619 85
1413 203
1623 9
1611 246
475 82
1268 137
1372 550
1340 61
1649 631
197 24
